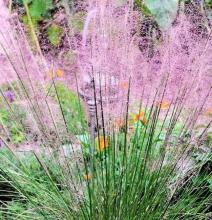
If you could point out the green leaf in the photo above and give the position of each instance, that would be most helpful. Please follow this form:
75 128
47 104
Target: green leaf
164 11
208 3
55 33
39 8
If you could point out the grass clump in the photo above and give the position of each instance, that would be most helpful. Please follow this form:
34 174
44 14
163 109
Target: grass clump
129 174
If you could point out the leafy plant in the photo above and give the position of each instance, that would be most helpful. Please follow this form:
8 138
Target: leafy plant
16 131
40 8
71 107
55 34
208 3
164 11
36 10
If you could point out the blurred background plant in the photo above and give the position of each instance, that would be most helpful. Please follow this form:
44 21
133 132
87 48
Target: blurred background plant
71 106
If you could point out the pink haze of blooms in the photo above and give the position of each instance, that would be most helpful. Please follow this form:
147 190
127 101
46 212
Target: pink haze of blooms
110 50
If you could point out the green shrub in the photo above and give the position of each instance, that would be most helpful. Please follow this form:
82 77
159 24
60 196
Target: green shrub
71 108
16 130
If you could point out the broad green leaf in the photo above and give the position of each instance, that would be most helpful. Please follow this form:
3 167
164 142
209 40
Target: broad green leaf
164 11
39 8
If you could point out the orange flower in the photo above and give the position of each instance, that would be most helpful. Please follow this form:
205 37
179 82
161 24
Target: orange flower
208 112
51 74
87 177
164 105
140 117
59 73
124 85
101 143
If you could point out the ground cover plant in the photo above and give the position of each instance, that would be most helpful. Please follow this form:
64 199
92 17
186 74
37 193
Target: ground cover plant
105 113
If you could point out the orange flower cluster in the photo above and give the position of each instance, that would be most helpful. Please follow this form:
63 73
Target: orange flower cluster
58 73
